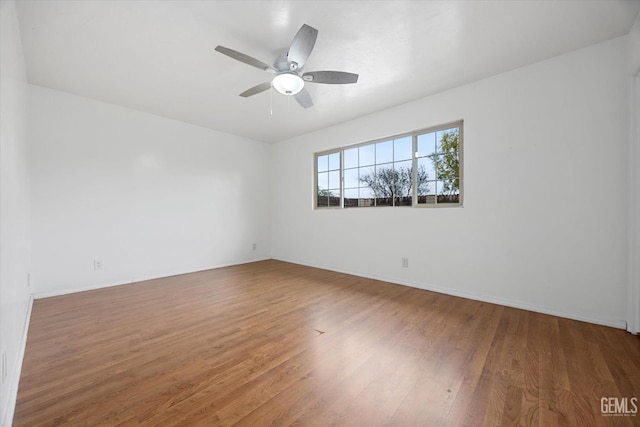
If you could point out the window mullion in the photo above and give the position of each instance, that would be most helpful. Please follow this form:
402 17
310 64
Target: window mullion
414 170
341 179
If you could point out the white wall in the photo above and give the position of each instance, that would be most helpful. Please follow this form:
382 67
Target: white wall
145 195
544 223
14 206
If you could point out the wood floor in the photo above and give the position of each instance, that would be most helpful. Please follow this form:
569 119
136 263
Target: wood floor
272 343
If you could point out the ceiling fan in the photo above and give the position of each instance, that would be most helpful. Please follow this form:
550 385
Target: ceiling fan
287 67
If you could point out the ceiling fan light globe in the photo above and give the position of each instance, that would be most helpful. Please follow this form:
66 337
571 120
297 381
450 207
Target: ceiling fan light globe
288 83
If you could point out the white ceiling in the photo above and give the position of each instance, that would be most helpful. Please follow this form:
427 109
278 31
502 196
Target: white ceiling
157 56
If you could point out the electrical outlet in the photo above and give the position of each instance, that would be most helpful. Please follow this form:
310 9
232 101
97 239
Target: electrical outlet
254 246
28 280
405 262
97 264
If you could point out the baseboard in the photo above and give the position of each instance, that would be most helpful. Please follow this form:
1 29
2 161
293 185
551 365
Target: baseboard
47 294
15 378
619 324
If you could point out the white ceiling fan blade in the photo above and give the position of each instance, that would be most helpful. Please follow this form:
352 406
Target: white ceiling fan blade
304 98
330 77
239 56
301 46
256 89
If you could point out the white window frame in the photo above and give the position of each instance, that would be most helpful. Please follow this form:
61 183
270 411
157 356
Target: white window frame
315 178
414 140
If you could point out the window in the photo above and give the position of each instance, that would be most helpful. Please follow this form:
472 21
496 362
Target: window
422 168
328 179
438 159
